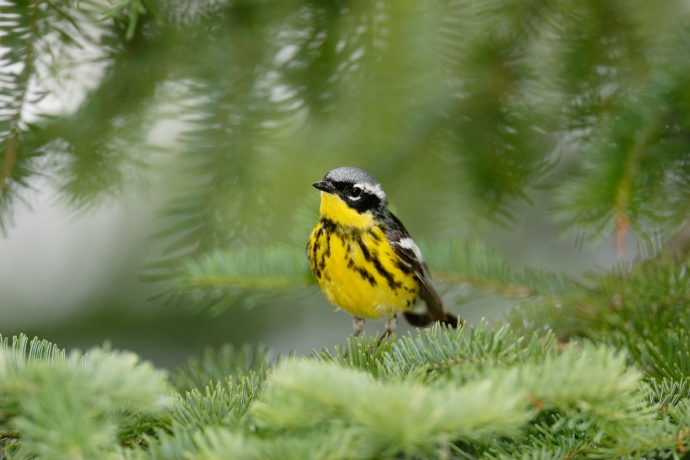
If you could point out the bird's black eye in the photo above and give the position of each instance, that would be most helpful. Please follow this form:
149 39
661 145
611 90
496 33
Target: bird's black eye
355 192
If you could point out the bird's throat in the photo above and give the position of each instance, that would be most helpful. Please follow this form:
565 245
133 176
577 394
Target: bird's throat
338 211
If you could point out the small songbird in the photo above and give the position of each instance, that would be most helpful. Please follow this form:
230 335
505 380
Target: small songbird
363 258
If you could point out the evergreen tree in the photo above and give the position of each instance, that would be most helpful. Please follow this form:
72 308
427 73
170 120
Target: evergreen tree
475 105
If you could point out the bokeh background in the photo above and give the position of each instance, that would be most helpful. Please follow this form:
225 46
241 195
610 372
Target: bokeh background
140 138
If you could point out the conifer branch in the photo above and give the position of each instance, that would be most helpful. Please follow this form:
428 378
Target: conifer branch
15 94
8 162
474 264
21 89
73 404
624 192
477 392
267 268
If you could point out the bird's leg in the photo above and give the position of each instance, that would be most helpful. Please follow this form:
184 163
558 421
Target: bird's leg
358 324
390 327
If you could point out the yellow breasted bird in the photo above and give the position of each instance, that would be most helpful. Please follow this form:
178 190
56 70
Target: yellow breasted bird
363 258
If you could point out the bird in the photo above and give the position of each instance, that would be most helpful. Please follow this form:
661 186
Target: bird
363 258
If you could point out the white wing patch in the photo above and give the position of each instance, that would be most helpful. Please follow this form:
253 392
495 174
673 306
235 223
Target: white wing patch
407 243
374 189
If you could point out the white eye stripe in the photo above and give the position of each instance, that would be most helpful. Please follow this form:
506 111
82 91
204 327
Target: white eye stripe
373 190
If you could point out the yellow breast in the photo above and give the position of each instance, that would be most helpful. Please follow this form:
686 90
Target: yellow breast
354 264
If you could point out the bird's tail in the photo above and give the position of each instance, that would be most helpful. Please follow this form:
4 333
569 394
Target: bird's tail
424 319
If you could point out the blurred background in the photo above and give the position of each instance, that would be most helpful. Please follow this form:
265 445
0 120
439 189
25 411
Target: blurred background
145 146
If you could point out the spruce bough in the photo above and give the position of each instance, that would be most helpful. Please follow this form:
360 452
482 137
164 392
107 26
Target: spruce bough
486 391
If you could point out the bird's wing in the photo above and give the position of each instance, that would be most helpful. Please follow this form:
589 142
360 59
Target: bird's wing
409 254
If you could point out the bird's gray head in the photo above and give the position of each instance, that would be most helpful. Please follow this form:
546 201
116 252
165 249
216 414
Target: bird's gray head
355 187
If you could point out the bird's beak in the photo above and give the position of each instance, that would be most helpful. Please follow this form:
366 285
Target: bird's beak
324 186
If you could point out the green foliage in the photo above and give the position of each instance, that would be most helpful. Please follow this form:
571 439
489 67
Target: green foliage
385 419
216 365
65 406
479 392
622 183
641 308
360 354
477 103
217 389
135 8
474 264
216 276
